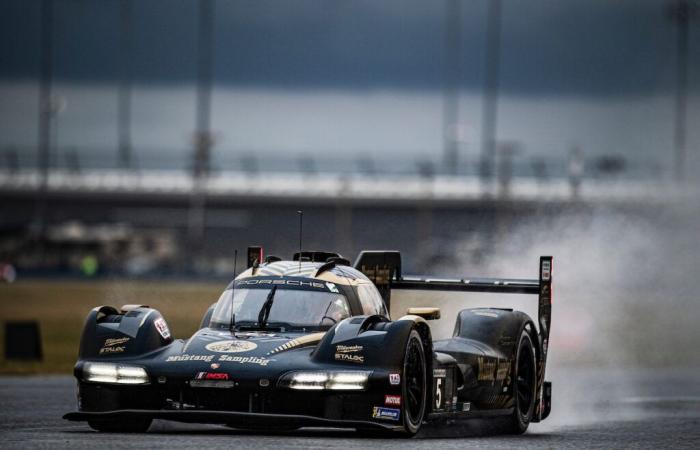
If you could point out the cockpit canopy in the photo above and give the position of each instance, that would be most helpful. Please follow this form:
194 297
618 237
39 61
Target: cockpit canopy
292 304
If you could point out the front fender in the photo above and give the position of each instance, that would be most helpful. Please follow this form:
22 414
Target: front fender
370 341
109 333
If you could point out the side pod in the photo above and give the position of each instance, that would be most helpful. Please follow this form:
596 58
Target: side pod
109 332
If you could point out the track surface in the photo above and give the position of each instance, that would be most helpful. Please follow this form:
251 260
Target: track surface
592 409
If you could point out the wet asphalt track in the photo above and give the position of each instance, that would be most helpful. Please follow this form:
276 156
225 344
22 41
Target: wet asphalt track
592 409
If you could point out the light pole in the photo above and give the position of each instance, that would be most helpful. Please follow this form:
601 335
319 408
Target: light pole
124 95
681 11
203 139
45 113
491 83
452 74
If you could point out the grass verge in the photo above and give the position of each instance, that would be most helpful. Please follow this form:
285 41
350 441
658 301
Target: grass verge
60 308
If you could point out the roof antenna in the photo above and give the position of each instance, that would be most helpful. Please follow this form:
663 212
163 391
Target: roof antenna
301 224
232 324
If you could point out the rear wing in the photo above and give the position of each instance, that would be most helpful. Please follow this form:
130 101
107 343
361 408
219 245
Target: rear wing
384 269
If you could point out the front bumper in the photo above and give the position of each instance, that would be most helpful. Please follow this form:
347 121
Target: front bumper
235 419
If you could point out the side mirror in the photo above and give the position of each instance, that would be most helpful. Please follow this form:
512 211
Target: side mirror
425 312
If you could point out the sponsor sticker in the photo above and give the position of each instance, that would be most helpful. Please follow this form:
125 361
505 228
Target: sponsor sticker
226 384
185 357
162 327
546 270
439 373
487 369
211 376
392 400
394 378
349 358
379 412
259 360
116 341
503 369
215 365
277 281
110 350
231 346
348 348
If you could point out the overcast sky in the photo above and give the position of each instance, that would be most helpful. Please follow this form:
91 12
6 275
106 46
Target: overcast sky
595 53
587 47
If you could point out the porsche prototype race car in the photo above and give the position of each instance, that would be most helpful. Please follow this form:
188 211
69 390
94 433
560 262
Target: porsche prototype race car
309 342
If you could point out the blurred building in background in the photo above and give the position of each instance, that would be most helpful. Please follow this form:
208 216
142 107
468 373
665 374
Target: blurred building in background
154 138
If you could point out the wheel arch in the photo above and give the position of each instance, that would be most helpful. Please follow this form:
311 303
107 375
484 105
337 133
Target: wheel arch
423 329
130 331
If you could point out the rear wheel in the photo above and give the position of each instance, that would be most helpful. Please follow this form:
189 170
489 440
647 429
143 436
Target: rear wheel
121 426
414 384
524 385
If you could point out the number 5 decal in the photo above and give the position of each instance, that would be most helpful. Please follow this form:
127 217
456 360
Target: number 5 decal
438 393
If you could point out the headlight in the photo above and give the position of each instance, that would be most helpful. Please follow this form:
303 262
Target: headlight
114 373
355 380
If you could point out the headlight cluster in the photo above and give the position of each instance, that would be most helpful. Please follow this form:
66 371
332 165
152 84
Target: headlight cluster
114 373
355 380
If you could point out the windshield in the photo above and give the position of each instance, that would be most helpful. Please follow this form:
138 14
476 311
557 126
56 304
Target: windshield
292 308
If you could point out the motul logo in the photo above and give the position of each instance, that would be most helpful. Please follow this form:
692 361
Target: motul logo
392 400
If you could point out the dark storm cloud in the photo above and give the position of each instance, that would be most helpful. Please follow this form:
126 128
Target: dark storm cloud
587 47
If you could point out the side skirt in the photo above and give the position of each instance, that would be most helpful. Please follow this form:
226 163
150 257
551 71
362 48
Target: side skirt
466 415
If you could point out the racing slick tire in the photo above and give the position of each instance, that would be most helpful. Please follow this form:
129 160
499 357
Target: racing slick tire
414 384
413 391
524 385
121 426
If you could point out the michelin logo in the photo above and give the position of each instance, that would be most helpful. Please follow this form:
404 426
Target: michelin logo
385 413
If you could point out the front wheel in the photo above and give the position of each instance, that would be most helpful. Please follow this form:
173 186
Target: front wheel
121 426
524 385
414 384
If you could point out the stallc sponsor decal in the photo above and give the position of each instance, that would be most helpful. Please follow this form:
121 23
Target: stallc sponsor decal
394 378
162 327
108 350
349 358
392 400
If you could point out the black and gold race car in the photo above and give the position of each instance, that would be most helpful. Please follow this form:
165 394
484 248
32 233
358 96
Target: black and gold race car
309 342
